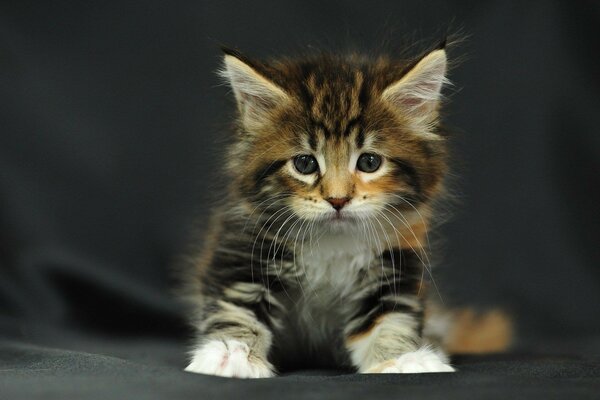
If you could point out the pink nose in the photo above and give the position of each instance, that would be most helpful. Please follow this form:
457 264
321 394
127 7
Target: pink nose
338 202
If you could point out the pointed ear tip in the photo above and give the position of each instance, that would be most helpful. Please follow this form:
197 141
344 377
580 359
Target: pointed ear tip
227 50
230 53
442 45
228 59
437 56
233 60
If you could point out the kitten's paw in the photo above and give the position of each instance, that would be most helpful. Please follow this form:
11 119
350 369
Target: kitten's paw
415 362
229 358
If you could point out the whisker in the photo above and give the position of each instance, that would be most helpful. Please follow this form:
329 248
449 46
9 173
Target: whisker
381 251
304 221
254 244
274 246
399 249
277 198
405 222
308 282
419 214
427 262
263 272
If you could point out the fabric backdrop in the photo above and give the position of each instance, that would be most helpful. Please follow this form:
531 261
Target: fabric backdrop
112 124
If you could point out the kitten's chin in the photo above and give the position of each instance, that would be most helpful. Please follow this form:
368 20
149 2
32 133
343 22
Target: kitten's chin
340 222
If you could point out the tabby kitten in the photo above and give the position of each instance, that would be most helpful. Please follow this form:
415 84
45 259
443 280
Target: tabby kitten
316 255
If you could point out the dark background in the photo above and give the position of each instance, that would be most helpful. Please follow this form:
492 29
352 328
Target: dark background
112 124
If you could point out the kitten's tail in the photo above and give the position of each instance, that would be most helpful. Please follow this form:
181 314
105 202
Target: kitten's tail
462 331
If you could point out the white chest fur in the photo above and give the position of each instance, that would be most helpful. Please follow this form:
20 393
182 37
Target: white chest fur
330 268
334 261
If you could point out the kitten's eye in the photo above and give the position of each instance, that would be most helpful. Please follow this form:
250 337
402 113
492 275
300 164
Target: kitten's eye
368 162
306 164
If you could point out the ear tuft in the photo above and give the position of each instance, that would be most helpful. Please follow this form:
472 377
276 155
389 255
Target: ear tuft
255 94
230 51
418 92
442 44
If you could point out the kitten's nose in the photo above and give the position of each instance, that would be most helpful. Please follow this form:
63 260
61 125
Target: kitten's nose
338 202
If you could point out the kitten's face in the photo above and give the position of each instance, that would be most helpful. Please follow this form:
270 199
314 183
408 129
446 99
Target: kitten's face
338 142
343 179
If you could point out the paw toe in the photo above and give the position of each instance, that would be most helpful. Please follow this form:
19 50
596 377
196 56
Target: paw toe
416 362
229 359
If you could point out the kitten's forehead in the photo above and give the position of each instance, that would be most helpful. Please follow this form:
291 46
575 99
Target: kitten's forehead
333 99
321 140
335 102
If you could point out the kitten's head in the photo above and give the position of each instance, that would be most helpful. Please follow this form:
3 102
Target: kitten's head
337 139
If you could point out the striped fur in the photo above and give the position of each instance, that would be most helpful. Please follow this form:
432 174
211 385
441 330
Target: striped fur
285 279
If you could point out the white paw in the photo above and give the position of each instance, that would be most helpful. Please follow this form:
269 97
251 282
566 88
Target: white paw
416 362
229 358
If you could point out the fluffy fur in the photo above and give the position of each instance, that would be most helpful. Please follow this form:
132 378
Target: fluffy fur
323 268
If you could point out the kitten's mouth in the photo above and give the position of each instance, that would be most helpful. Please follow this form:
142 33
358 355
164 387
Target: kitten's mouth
340 217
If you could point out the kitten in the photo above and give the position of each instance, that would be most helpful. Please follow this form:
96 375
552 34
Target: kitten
317 253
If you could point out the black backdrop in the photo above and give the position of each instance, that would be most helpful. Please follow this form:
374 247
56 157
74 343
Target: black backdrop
111 126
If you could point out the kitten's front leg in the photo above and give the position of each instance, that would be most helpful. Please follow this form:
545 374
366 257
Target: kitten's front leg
385 333
234 343
392 345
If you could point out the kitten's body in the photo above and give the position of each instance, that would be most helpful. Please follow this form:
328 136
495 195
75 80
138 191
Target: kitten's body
317 255
323 297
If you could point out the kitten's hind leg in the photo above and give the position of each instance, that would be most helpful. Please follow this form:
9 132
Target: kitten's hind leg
233 344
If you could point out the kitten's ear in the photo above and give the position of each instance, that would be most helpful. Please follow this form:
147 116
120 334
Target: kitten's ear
418 92
256 95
